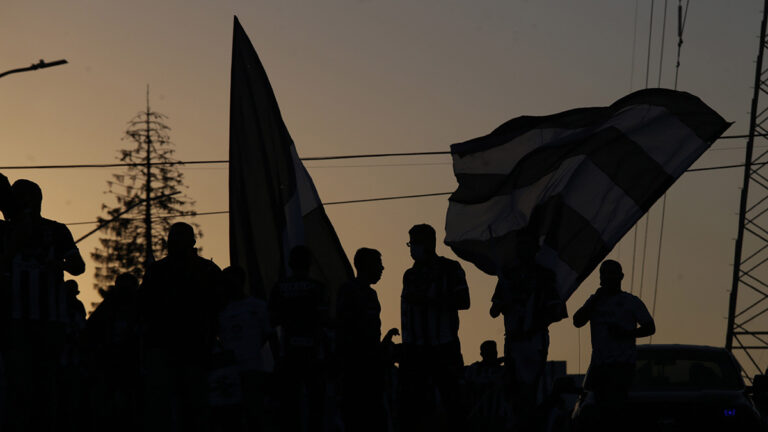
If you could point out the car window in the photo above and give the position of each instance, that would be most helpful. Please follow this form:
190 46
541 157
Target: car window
658 370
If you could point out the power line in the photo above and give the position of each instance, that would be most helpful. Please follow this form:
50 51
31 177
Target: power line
734 148
397 197
713 168
386 165
681 19
375 155
634 45
646 216
117 217
215 161
223 161
109 165
388 198
364 200
741 136
650 35
663 35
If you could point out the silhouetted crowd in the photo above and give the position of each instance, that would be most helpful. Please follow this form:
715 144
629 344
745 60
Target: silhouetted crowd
188 348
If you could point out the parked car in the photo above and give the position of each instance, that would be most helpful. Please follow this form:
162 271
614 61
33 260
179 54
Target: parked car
679 387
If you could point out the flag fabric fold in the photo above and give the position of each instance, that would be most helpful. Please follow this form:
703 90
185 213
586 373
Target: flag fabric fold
273 203
577 181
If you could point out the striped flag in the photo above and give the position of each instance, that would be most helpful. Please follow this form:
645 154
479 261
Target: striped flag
273 204
577 181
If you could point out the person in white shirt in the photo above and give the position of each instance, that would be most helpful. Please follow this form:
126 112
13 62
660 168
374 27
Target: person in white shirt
617 319
244 330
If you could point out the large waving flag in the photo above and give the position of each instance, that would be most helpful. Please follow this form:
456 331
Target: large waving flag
273 204
577 181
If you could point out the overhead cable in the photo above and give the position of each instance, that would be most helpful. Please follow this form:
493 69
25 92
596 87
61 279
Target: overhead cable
330 203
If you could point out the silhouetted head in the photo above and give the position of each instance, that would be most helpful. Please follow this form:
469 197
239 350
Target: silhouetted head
27 199
368 265
611 274
233 279
488 351
126 282
71 288
181 239
422 241
300 261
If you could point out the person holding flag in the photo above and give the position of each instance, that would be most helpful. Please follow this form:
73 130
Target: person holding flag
526 296
617 318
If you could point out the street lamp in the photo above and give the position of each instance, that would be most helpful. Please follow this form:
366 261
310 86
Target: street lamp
40 65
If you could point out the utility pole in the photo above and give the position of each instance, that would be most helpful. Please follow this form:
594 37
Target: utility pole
747 331
148 256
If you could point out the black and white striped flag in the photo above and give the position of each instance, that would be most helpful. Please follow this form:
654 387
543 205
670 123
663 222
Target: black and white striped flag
577 181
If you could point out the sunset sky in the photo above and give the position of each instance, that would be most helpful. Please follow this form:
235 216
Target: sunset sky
376 76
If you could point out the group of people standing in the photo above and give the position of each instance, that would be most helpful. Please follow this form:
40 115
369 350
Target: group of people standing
189 348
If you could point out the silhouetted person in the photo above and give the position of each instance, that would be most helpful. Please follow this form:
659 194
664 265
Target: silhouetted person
489 368
526 295
484 379
72 400
616 319
5 201
243 330
434 290
298 310
363 354
37 252
5 197
112 340
177 311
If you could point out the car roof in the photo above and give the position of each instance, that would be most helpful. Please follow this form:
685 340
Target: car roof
679 347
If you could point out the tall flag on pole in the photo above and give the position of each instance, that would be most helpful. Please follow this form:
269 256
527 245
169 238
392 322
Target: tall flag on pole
577 181
273 204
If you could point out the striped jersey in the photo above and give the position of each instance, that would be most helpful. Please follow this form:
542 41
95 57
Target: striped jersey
442 286
35 279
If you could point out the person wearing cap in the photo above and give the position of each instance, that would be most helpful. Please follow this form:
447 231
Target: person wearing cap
617 318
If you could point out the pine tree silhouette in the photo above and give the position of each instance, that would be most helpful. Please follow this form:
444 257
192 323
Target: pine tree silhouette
153 189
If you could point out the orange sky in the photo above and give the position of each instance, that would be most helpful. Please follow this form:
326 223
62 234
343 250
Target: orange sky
382 76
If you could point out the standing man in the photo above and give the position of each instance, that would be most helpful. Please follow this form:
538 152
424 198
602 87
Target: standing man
361 350
617 319
298 310
177 311
485 389
112 339
434 291
5 202
526 295
36 254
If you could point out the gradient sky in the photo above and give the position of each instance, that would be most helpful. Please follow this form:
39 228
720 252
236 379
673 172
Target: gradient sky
384 76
